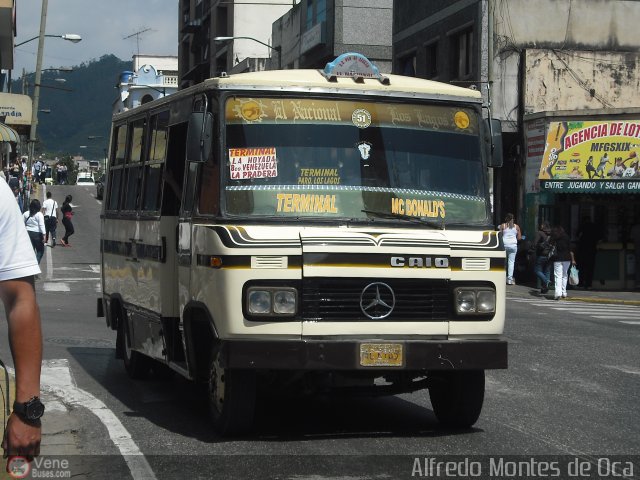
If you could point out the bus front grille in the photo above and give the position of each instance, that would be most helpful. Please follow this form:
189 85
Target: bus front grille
339 299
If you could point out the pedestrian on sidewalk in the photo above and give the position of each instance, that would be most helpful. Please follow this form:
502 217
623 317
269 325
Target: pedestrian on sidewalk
67 215
50 211
562 259
542 245
34 222
18 266
510 236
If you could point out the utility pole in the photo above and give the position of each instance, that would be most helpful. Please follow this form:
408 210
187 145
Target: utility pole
36 95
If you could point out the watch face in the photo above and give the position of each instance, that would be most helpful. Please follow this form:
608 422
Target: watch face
34 409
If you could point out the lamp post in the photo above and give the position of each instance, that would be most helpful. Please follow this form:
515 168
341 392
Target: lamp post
278 49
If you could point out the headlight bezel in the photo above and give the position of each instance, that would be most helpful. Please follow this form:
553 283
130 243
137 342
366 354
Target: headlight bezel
275 310
477 295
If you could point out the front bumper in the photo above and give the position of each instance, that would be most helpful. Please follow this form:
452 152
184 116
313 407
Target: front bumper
345 355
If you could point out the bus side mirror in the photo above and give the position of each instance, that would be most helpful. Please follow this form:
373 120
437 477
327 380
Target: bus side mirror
494 142
199 136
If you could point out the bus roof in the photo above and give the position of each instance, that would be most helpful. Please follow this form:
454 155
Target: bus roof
315 81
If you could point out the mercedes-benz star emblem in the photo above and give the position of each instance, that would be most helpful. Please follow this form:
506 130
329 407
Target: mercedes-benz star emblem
377 300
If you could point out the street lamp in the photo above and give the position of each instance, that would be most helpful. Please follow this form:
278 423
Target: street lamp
278 49
36 89
72 37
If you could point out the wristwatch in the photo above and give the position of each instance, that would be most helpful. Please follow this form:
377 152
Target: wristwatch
31 410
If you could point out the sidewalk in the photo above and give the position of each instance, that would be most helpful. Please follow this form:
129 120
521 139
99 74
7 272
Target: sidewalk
580 295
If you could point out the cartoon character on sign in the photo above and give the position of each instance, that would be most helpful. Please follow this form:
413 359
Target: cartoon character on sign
553 158
591 171
601 166
632 170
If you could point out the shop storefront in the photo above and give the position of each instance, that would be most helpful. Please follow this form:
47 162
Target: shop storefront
588 174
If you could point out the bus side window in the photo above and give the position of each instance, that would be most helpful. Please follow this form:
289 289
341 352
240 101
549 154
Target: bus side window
155 163
133 167
116 164
176 154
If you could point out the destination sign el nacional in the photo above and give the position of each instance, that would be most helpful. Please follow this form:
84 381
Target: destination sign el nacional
592 156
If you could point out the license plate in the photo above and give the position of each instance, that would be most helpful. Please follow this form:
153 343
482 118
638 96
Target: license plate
381 355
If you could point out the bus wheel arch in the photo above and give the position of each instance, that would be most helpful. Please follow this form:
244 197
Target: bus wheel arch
200 336
136 364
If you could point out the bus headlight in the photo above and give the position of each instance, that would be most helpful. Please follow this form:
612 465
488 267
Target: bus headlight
259 302
284 302
474 301
270 301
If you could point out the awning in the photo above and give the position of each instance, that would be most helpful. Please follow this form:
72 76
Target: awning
8 134
592 156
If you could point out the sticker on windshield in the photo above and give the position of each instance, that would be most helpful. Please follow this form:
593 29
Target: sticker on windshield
461 120
361 118
306 203
319 176
258 162
365 150
414 207
250 110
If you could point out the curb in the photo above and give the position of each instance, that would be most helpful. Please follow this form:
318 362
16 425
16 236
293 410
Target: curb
531 293
615 301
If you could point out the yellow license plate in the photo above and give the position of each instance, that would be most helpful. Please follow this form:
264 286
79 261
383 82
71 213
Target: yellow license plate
381 355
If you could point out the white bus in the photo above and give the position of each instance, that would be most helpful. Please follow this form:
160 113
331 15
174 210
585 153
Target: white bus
307 230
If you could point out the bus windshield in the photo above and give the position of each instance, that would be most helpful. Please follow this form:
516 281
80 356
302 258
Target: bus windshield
355 160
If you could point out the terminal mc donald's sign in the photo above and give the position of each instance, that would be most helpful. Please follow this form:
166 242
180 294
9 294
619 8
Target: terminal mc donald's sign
592 156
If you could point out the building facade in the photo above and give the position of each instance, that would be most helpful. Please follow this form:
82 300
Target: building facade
315 32
201 21
152 77
558 71
271 35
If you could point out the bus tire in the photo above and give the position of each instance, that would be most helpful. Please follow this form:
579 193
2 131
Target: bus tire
231 396
457 397
136 364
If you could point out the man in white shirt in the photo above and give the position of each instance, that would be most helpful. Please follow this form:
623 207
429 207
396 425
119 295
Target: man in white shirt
17 268
50 212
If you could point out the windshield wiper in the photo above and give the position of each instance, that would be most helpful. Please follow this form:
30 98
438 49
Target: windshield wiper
406 218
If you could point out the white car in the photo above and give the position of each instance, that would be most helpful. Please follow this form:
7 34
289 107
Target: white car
85 179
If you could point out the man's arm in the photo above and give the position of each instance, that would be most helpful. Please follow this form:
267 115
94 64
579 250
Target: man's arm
25 340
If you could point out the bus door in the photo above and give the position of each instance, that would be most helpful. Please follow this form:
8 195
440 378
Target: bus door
184 240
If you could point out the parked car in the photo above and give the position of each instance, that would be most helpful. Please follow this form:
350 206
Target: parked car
85 179
100 187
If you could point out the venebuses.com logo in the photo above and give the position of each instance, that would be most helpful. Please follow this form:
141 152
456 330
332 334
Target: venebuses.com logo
20 467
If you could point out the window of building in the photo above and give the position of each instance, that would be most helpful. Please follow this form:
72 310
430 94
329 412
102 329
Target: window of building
431 60
321 11
463 54
407 65
309 20
316 13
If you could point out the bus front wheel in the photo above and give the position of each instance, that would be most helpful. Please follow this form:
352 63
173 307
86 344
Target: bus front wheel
457 397
231 397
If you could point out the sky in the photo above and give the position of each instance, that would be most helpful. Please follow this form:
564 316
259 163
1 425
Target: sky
103 25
